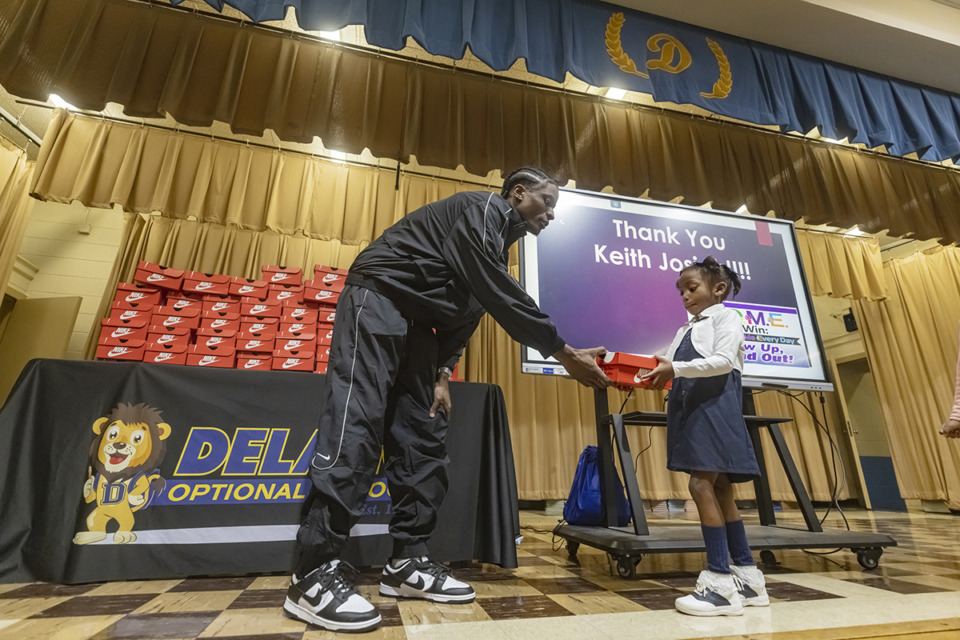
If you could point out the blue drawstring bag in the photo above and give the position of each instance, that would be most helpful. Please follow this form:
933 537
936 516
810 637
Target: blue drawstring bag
584 506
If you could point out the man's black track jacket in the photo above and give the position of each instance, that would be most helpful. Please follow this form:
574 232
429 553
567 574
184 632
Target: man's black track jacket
446 264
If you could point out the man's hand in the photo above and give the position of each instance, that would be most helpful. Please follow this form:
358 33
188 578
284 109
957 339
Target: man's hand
660 375
950 429
441 395
581 364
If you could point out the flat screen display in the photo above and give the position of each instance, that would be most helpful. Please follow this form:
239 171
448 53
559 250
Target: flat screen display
605 270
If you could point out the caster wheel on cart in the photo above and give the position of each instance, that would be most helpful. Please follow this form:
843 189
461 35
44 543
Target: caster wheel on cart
868 558
627 567
572 548
767 558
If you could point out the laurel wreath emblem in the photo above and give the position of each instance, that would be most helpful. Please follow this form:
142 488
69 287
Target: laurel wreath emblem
724 84
721 88
615 48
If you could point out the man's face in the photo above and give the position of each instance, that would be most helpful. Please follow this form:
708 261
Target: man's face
535 205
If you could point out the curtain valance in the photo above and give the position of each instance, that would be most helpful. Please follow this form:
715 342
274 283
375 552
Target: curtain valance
609 46
633 151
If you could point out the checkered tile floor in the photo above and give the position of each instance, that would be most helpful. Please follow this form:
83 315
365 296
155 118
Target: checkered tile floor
915 590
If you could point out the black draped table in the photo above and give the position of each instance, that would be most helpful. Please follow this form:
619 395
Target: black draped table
219 486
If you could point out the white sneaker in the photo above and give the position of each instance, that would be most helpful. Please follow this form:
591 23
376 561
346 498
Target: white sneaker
715 595
423 578
327 598
751 585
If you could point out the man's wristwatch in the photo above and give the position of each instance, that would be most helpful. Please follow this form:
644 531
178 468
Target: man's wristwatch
444 370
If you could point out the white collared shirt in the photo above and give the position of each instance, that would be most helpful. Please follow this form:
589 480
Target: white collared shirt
719 336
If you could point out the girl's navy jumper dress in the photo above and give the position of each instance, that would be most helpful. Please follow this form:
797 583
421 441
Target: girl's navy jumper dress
705 426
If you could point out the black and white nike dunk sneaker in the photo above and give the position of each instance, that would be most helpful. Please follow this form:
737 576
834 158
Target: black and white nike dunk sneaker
425 579
715 595
326 597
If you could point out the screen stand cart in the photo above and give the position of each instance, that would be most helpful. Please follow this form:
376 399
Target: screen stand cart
628 545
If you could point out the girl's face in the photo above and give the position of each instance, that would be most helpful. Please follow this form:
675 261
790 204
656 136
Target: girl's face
535 204
699 292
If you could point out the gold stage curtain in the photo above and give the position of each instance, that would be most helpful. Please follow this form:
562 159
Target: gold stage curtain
842 266
197 68
15 204
220 214
142 169
911 342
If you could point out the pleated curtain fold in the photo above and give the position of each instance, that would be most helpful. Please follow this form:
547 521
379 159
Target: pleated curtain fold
842 266
199 69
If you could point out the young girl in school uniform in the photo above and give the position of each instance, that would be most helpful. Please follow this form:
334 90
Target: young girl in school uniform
707 436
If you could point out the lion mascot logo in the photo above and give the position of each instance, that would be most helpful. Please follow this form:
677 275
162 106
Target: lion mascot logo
126 451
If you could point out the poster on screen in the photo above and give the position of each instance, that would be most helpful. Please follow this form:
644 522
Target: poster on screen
605 270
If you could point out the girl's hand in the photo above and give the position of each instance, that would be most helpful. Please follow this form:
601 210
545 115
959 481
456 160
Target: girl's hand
660 375
950 429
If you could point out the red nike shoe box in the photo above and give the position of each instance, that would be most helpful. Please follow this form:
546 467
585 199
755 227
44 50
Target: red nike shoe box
219 326
321 366
325 338
295 348
158 276
212 283
251 288
320 294
282 275
217 362
254 361
216 343
201 355
166 353
114 352
160 342
285 293
128 318
625 369
191 310
121 336
180 304
135 296
216 308
302 314
260 346
323 353
326 315
322 268
281 363
293 330
330 277
266 329
260 310
168 322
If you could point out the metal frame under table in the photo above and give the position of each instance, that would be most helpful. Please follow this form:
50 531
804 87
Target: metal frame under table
628 545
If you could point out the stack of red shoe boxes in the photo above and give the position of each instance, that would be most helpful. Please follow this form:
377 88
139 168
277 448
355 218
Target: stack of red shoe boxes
324 290
279 322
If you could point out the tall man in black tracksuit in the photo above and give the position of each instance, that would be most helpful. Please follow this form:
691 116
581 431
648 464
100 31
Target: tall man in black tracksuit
413 298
